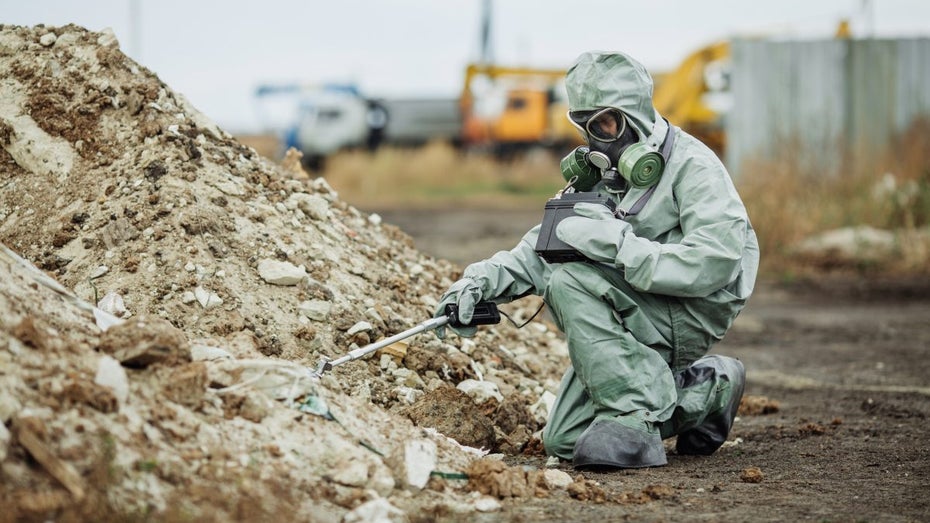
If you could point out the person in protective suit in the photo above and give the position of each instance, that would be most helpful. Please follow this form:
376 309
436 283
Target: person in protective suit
663 279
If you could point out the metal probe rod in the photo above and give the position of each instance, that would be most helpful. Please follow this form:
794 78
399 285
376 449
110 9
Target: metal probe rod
431 323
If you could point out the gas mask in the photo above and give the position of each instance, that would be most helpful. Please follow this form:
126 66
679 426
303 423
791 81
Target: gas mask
613 149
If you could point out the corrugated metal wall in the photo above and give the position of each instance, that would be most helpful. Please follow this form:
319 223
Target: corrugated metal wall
824 99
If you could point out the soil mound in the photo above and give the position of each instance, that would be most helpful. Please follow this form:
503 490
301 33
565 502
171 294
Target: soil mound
218 278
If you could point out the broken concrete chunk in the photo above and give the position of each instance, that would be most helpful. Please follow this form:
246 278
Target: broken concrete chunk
280 272
480 391
419 461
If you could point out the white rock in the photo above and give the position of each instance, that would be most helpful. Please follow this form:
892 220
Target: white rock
207 299
419 461
280 272
850 244
359 327
352 473
9 406
480 391
317 310
4 441
312 205
188 297
487 504
207 353
540 409
111 374
98 272
557 479
113 304
48 39
374 219
381 479
107 38
377 510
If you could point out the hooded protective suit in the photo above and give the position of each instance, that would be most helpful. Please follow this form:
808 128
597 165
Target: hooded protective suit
665 284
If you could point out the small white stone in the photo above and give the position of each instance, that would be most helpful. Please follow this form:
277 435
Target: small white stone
374 219
187 297
487 504
190 267
108 39
207 299
378 510
98 272
317 310
480 391
48 39
280 272
4 441
208 353
113 304
557 479
111 374
420 461
353 473
359 327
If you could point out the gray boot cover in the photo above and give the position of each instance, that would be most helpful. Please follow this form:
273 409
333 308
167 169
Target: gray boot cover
707 437
608 444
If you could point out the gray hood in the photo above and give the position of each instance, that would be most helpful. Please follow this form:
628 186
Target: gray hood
612 79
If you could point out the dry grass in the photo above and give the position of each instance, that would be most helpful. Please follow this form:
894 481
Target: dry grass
790 200
438 175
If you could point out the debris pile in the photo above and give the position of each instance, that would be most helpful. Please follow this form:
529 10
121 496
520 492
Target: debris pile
173 293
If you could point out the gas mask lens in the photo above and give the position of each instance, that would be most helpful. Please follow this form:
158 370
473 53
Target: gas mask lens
604 125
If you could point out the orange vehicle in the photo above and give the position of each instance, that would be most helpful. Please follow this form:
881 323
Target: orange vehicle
506 109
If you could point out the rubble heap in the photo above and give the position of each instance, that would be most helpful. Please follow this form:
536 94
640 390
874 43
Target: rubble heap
174 290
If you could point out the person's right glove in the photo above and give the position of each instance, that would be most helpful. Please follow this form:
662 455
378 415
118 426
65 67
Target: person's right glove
465 294
595 232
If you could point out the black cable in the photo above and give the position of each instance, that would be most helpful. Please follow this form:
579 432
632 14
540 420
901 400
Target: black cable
504 314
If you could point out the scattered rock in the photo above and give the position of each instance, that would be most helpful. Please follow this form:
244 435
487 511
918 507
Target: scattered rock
751 475
757 406
556 479
377 510
280 272
494 478
480 391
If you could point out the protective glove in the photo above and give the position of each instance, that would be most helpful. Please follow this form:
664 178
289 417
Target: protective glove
464 293
595 232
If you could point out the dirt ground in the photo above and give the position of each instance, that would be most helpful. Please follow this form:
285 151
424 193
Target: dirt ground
841 360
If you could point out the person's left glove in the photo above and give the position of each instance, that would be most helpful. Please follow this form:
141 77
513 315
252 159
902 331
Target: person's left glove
465 294
595 232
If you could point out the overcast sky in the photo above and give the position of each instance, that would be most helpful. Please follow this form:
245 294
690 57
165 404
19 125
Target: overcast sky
217 52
